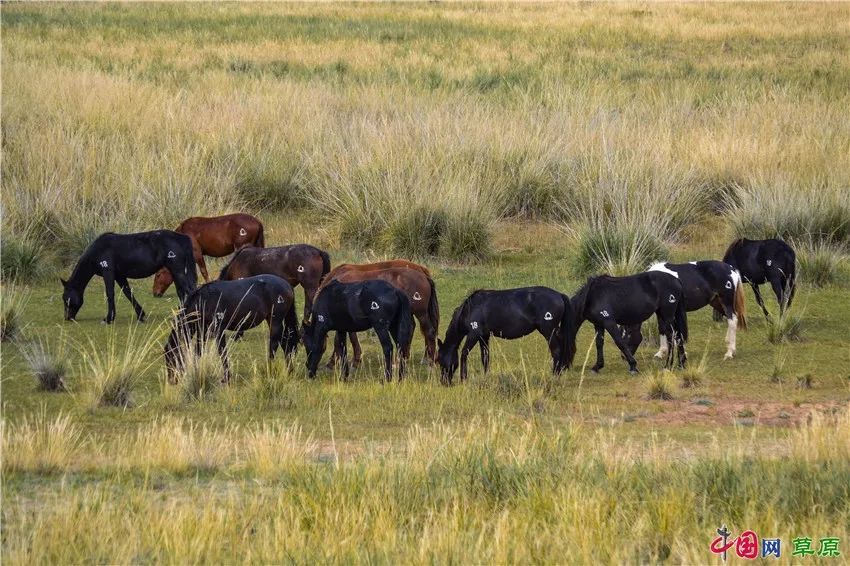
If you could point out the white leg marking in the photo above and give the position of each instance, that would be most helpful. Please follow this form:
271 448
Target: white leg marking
662 351
731 332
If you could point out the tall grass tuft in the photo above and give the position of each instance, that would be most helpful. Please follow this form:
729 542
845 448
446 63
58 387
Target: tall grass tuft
111 371
41 443
787 327
272 385
48 364
23 257
820 263
201 375
659 385
13 299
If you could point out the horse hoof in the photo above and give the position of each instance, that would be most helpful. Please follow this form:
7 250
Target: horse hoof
633 371
595 370
658 356
728 356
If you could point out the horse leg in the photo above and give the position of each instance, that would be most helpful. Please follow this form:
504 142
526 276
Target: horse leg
759 299
109 283
468 344
554 342
664 344
340 349
776 281
600 342
429 331
387 345
128 292
484 346
198 253
727 309
621 343
222 352
403 353
275 334
358 351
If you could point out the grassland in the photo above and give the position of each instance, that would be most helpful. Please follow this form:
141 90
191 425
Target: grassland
493 142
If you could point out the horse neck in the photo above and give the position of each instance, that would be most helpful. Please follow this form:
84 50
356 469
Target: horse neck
578 303
82 274
456 329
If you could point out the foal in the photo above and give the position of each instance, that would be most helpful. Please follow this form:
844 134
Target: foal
119 257
238 306
610 301
510 314
761 261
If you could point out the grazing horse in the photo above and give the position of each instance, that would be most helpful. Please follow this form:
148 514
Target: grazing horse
215 237
510 314
355 307
704 283
628 301
299 264
416 283
119 257
234 305
765 261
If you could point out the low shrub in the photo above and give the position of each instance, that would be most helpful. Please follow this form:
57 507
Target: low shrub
12 302
820 263
659 386
49 367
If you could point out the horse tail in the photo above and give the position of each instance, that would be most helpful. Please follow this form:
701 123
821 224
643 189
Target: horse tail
403 322
681 320
433 306
225 271
740 305
260 240
568 333
791 281
326 264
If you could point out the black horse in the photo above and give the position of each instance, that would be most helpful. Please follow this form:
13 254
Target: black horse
355 307
234 305
511 314
765 261
704 283
628 301
119 257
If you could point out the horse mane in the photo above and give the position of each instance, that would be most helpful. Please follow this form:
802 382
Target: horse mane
226 267
580 296
732 247
456 323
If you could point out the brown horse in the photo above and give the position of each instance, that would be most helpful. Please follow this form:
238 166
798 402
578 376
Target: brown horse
412 279
215 237
299 264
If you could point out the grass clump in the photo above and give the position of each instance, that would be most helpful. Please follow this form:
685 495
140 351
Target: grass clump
23 258
113 370
200 375
659 386
787 327
617 249
13 299
41 443
417 232
271 385
49 367
820 263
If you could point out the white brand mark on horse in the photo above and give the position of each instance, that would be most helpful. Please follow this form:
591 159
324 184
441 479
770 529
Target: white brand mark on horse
300 269
604 313
547 316
417 296
171 254
728 284
321 318
769 262
672 298
473 324
219 315
104 263
279 299
242 232
375 306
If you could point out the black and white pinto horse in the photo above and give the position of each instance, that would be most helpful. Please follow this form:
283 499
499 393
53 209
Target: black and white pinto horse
704 283
607 302
510 314
237 306
356 307
765 261
119 257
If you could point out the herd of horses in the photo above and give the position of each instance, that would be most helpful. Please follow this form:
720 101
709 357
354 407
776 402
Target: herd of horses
257 284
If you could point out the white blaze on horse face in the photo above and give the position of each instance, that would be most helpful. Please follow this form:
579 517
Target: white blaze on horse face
375 306
171 254
300 269
474 325
547 316
242 232
417 296
672 298
662 267
731 337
